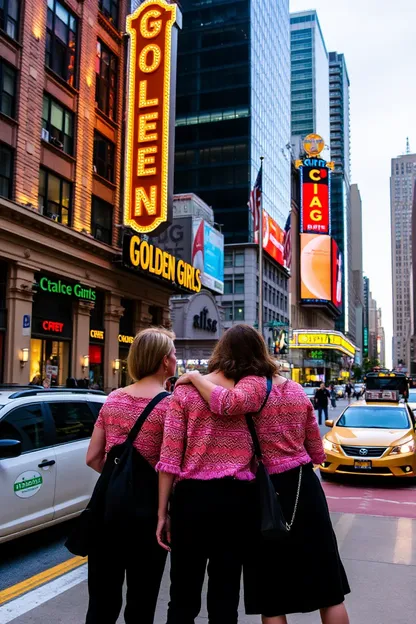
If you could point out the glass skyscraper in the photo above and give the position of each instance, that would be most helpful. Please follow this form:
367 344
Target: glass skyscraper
233 106
309 77
339 99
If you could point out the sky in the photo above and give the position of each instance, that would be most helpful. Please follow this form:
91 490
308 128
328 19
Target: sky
378 40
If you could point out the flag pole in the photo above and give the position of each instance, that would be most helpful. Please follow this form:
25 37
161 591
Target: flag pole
261 251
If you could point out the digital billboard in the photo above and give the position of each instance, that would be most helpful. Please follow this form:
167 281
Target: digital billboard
315 217
273 238
208 254
337 269
315 267
150 116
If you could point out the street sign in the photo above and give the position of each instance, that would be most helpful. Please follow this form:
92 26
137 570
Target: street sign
26 325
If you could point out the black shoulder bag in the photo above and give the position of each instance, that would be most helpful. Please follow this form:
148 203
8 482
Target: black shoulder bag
126 490
273 525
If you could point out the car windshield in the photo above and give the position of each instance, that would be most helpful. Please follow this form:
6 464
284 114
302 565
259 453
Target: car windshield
310 390
374 418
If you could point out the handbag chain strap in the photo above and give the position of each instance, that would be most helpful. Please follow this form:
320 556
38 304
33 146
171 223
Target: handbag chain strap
290 524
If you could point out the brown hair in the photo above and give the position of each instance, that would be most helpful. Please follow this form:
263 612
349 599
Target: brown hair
148 350
241 352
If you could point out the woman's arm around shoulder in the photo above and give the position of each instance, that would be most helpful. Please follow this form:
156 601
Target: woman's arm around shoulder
174 435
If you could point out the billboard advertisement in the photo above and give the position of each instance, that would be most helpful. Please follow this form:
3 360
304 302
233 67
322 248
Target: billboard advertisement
315 199
208 255
273 238
337 269
315 267
150 116
177 239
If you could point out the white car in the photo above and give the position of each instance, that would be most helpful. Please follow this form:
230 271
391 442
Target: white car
44 436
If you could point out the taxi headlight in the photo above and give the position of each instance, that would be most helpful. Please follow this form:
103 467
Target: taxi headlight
330 446
409 447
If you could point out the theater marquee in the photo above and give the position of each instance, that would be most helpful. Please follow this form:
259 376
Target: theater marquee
151 116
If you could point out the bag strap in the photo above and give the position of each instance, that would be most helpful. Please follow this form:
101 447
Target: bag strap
145 413
250 422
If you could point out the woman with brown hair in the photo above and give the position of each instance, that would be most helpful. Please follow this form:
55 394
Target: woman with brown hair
134 552
303 571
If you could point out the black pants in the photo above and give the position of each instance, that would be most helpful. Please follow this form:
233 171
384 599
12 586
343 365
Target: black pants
141 560
323 409
210 521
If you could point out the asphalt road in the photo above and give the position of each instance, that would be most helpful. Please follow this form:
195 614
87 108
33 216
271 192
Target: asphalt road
376 527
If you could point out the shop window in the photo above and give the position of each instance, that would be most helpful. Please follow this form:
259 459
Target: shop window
61 41
105 80
103 157
9 17
6 171
58 122
25 424
109 8
73 421
102 220
7 89
49 359
55 197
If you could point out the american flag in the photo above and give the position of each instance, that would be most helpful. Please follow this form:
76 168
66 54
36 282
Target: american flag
287 243
255 200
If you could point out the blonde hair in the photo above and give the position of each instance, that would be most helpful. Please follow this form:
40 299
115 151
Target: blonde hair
147 351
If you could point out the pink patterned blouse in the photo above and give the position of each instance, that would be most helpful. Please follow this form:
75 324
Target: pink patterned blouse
210 442
118 415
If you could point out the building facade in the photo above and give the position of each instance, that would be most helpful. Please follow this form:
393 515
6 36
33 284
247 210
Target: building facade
402 183
357 268
366 317
233 106
309 78
68 307
341 218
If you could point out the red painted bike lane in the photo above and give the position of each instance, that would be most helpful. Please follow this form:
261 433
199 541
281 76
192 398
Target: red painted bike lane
371 498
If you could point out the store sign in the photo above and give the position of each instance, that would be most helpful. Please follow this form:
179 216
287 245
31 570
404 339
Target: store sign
202 321
139 254
125 339
70 290
97 334
151 115
315 199
53 326
323 340
313 144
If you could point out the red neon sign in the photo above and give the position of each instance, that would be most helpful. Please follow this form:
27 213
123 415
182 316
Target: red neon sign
315 200
53 326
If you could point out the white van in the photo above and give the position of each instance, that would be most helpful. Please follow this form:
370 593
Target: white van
44 436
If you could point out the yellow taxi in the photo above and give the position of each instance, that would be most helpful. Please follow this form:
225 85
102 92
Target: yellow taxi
374 436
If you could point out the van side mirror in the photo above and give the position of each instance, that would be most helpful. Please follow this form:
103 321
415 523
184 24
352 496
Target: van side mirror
10 448
329 423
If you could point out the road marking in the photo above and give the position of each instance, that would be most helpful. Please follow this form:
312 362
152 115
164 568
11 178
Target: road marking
39 579
343 527
40 595
403 546
378 500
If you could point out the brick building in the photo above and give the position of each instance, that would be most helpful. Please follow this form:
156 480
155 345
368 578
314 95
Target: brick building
64 294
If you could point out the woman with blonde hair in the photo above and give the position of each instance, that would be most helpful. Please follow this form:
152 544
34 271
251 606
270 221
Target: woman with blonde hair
134 552
302 571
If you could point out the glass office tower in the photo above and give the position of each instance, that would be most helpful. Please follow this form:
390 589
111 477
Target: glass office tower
233 106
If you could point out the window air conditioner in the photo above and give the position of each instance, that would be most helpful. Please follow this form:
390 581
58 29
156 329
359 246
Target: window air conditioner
45 134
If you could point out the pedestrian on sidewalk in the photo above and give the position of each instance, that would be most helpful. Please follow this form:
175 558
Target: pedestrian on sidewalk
285 576
133 553
348 391
212 504
333 396
321 402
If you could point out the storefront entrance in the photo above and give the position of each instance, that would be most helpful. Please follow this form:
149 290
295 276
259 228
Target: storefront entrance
49 359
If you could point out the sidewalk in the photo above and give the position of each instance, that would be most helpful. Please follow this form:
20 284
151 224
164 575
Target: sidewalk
379 554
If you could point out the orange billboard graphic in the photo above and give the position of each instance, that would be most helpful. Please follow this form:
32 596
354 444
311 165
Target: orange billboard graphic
315 267
273 238
150 116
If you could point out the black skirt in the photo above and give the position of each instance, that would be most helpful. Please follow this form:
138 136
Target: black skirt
302 572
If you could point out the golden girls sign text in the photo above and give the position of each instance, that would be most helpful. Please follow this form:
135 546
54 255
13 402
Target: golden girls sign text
150 122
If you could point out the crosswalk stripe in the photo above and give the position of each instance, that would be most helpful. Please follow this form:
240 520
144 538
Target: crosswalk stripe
403 545
343 527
